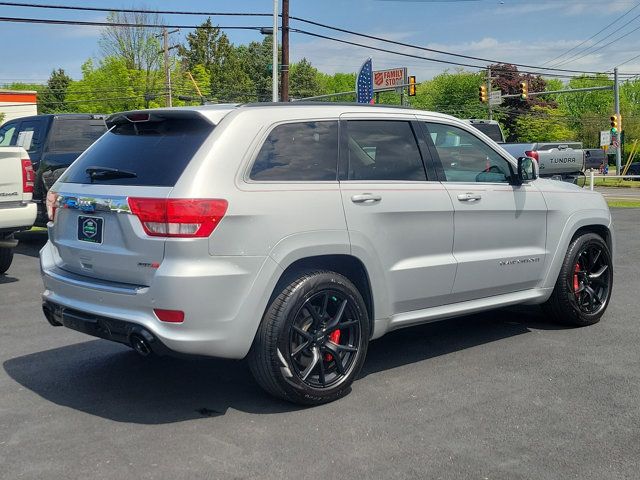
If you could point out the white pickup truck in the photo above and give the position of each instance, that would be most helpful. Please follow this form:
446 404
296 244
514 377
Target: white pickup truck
17 211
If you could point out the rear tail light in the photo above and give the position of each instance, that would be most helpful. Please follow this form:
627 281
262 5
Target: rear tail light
169 316
52 205
532 154
28 176
183 218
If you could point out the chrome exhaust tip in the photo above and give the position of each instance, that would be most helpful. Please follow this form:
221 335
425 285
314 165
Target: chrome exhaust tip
140 345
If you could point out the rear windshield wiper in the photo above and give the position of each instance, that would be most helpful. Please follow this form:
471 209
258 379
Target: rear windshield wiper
106 173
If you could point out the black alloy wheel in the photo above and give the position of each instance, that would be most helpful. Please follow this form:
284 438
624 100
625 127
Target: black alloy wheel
312 340
324 339
590 283
583 289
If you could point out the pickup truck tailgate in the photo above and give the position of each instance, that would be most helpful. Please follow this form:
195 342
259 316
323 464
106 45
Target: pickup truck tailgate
16 209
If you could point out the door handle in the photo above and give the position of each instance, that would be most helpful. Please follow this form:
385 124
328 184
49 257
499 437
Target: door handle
366 198
469 197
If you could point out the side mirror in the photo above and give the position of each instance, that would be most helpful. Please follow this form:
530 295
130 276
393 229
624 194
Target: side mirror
527 169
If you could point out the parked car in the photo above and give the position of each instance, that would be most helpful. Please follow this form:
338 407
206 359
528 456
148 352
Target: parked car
491 128
634 169
294 234
53 143
594 158
17 211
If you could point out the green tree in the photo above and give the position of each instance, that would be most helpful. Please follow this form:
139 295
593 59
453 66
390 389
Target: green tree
452 93
303 78
110 87
53 96
542 124
137 47
206 46
256 59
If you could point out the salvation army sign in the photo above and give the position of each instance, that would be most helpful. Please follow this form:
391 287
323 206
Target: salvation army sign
389 79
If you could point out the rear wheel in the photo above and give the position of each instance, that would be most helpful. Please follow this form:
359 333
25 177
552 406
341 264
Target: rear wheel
312 341
6 257
583 289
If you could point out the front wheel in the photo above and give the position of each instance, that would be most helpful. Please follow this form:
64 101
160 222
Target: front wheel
583 289
312 341
6 257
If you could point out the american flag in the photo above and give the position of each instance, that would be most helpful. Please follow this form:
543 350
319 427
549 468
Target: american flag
364 84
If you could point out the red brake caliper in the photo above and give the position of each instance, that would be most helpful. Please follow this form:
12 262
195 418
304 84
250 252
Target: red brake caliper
335 338
576 281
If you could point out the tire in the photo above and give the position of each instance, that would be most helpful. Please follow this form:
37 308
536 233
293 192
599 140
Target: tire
297 354
583 289
6 257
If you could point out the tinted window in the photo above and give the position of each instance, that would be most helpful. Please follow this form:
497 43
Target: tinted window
75 135
30 136
466 158
383 150
7 132
299 152
156 151
491 130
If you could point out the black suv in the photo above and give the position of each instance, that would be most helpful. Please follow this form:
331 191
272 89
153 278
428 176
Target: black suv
53 143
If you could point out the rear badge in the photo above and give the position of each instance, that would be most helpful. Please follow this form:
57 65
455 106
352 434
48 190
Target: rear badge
149 265
90 229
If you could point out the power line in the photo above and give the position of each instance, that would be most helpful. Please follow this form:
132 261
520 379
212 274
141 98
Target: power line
449 62
586 51
310 22
426 49
592 36
49 21
130 10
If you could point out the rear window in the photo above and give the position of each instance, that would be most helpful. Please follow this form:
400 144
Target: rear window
491 130
74 135
156 152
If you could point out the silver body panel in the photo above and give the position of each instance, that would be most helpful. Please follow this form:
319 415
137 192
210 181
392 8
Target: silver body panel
427 254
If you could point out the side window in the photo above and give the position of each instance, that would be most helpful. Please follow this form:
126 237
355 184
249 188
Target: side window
7 133
383 150
466 158
301 151
29 136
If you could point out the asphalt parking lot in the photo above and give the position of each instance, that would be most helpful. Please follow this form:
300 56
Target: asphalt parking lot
502 395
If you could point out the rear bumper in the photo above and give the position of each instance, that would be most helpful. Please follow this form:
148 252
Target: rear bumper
223 299
17 216
101 327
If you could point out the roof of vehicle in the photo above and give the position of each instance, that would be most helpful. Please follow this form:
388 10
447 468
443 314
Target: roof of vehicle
64 116
215 113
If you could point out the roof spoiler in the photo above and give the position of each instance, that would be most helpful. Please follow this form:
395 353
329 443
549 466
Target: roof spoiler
155 115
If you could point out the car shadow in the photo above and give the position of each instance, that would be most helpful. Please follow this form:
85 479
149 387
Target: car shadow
111 381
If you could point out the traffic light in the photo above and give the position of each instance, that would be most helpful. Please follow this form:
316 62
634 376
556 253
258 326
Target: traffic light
484 98
412 85
615 126
524 90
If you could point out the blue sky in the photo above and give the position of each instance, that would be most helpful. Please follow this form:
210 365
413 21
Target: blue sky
507 30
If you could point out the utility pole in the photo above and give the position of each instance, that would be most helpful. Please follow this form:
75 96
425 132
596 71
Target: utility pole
274 59
616 100
489 93
284 74
167 67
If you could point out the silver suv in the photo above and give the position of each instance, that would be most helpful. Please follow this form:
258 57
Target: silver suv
295 234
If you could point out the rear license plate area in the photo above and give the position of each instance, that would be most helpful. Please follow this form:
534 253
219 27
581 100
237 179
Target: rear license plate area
90 229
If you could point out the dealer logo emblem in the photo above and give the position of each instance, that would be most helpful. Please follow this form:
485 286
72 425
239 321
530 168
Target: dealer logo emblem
89 228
